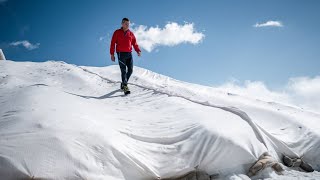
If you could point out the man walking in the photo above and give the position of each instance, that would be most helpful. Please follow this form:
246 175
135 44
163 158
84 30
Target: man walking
124 39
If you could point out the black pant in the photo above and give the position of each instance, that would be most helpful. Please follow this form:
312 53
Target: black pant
125 61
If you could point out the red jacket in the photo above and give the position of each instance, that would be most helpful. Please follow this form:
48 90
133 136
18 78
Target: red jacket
124 41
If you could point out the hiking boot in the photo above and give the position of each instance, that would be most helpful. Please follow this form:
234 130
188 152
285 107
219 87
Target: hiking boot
125 88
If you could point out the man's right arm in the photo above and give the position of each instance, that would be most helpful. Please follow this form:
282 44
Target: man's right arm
112 45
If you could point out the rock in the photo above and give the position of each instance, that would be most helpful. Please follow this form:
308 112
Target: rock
307 167
297 162
264 161
2 57
291 162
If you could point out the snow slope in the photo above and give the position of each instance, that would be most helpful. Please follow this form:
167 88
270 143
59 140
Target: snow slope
62 121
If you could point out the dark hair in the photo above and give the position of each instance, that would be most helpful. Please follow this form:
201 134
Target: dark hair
125 19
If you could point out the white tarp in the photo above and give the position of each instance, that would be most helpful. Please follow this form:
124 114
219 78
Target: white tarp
61 121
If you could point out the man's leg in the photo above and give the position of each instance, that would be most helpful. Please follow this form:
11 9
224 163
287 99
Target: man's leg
130 67
123 69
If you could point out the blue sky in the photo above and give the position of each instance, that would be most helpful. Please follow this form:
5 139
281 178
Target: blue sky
79 32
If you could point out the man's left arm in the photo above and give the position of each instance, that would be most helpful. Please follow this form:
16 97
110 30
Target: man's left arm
135 45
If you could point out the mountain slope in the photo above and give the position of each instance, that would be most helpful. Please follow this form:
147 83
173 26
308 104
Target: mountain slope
61 121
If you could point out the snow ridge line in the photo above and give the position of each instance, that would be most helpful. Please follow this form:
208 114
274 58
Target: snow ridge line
258 130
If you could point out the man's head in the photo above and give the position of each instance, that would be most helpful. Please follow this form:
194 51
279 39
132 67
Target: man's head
125 23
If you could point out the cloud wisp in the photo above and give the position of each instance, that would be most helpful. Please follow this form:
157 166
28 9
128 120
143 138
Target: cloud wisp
269 24
26 44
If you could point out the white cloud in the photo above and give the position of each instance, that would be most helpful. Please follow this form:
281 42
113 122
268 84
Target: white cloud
269 24
299 91
26 44
172 34
253 89
305 91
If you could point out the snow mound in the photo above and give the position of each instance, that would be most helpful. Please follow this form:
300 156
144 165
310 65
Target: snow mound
62 121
